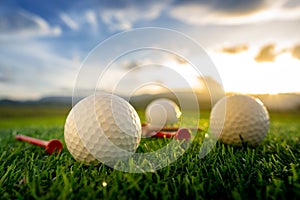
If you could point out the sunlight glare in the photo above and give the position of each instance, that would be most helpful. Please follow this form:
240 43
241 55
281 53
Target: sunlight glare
240 73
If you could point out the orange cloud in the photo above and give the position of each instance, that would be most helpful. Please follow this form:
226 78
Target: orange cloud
295 51
266 54
235 49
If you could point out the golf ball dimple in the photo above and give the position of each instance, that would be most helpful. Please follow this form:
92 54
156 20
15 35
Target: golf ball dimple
102 128
162 112
239 119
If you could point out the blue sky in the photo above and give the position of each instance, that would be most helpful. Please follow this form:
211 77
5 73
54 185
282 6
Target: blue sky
255 45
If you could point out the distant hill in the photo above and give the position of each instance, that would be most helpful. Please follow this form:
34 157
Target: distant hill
278 102
281 102
8 102
188 97
185 99
57 100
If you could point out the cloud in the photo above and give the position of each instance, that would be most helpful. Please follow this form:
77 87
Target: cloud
38 69
25 24
266 54
291 4
235 49
5 74
231 12
228 7
69 21
91 18
295 51
130 64
81 20
123 18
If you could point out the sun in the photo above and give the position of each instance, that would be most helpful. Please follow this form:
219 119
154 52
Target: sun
185 70
241 73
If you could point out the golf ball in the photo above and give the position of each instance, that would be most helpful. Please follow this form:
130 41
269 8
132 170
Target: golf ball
161 112
102 128
239 119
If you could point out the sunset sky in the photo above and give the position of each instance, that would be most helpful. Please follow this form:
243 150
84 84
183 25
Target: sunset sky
255 45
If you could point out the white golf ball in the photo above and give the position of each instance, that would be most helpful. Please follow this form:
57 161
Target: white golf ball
102 128
246 120
161 112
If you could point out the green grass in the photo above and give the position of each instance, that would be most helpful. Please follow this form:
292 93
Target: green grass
269 171
29 115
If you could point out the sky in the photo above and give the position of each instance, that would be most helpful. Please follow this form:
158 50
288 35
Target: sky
254 45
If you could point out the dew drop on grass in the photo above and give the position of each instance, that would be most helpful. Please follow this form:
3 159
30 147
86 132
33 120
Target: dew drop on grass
206 135
104 184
